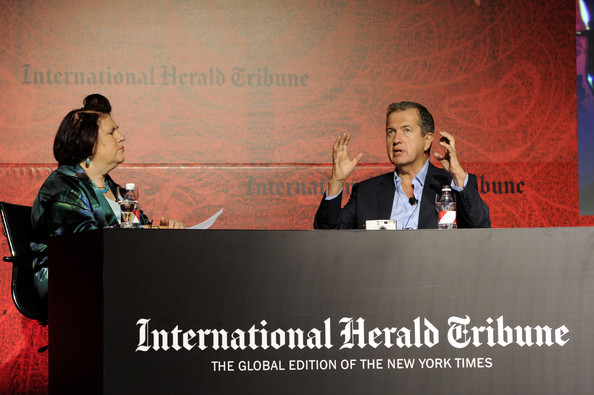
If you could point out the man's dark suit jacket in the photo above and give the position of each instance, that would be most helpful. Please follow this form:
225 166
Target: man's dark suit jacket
373 199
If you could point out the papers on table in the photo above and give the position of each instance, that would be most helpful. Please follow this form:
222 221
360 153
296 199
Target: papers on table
208 223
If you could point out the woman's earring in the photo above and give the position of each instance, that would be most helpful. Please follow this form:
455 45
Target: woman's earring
88 162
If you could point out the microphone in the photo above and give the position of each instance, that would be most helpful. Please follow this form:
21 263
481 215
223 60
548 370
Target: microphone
412 201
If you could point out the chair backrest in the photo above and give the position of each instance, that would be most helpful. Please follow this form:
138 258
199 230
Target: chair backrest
16 221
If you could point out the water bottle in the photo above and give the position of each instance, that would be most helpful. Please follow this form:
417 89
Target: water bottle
446 209
129 207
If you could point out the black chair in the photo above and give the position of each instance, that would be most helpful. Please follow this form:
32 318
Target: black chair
16 221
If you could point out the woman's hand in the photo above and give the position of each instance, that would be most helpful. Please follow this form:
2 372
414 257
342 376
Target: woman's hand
171 223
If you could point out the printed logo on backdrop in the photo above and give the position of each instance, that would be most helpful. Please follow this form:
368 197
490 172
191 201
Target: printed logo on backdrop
459 333
257 77
261 186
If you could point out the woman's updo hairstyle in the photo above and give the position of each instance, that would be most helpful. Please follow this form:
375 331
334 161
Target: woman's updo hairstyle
77 134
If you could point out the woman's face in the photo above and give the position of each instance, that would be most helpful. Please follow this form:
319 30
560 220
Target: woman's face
109 151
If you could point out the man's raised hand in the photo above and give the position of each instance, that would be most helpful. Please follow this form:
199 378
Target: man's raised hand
342 165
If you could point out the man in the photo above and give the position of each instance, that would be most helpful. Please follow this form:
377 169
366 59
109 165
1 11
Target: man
408 194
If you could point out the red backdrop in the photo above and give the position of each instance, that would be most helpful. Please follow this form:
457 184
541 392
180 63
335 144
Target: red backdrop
235 105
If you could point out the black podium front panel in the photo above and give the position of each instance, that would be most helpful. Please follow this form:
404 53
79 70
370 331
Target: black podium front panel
182 311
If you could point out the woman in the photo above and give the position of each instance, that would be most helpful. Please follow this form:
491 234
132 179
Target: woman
80 195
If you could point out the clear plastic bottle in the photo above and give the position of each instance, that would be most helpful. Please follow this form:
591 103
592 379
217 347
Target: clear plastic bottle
129 207
446 209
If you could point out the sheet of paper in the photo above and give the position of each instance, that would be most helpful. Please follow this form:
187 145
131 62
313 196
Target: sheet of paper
208 223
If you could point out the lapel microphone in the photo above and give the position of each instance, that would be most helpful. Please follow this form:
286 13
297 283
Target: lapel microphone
412 200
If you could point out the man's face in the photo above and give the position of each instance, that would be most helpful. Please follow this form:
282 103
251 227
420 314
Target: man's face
405 143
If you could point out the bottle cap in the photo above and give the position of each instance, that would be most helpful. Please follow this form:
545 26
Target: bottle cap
444 188
130 185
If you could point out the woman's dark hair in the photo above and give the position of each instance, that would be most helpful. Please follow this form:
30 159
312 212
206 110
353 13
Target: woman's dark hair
77 134
97 102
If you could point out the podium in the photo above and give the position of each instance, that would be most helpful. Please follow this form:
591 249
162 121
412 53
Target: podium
233 311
